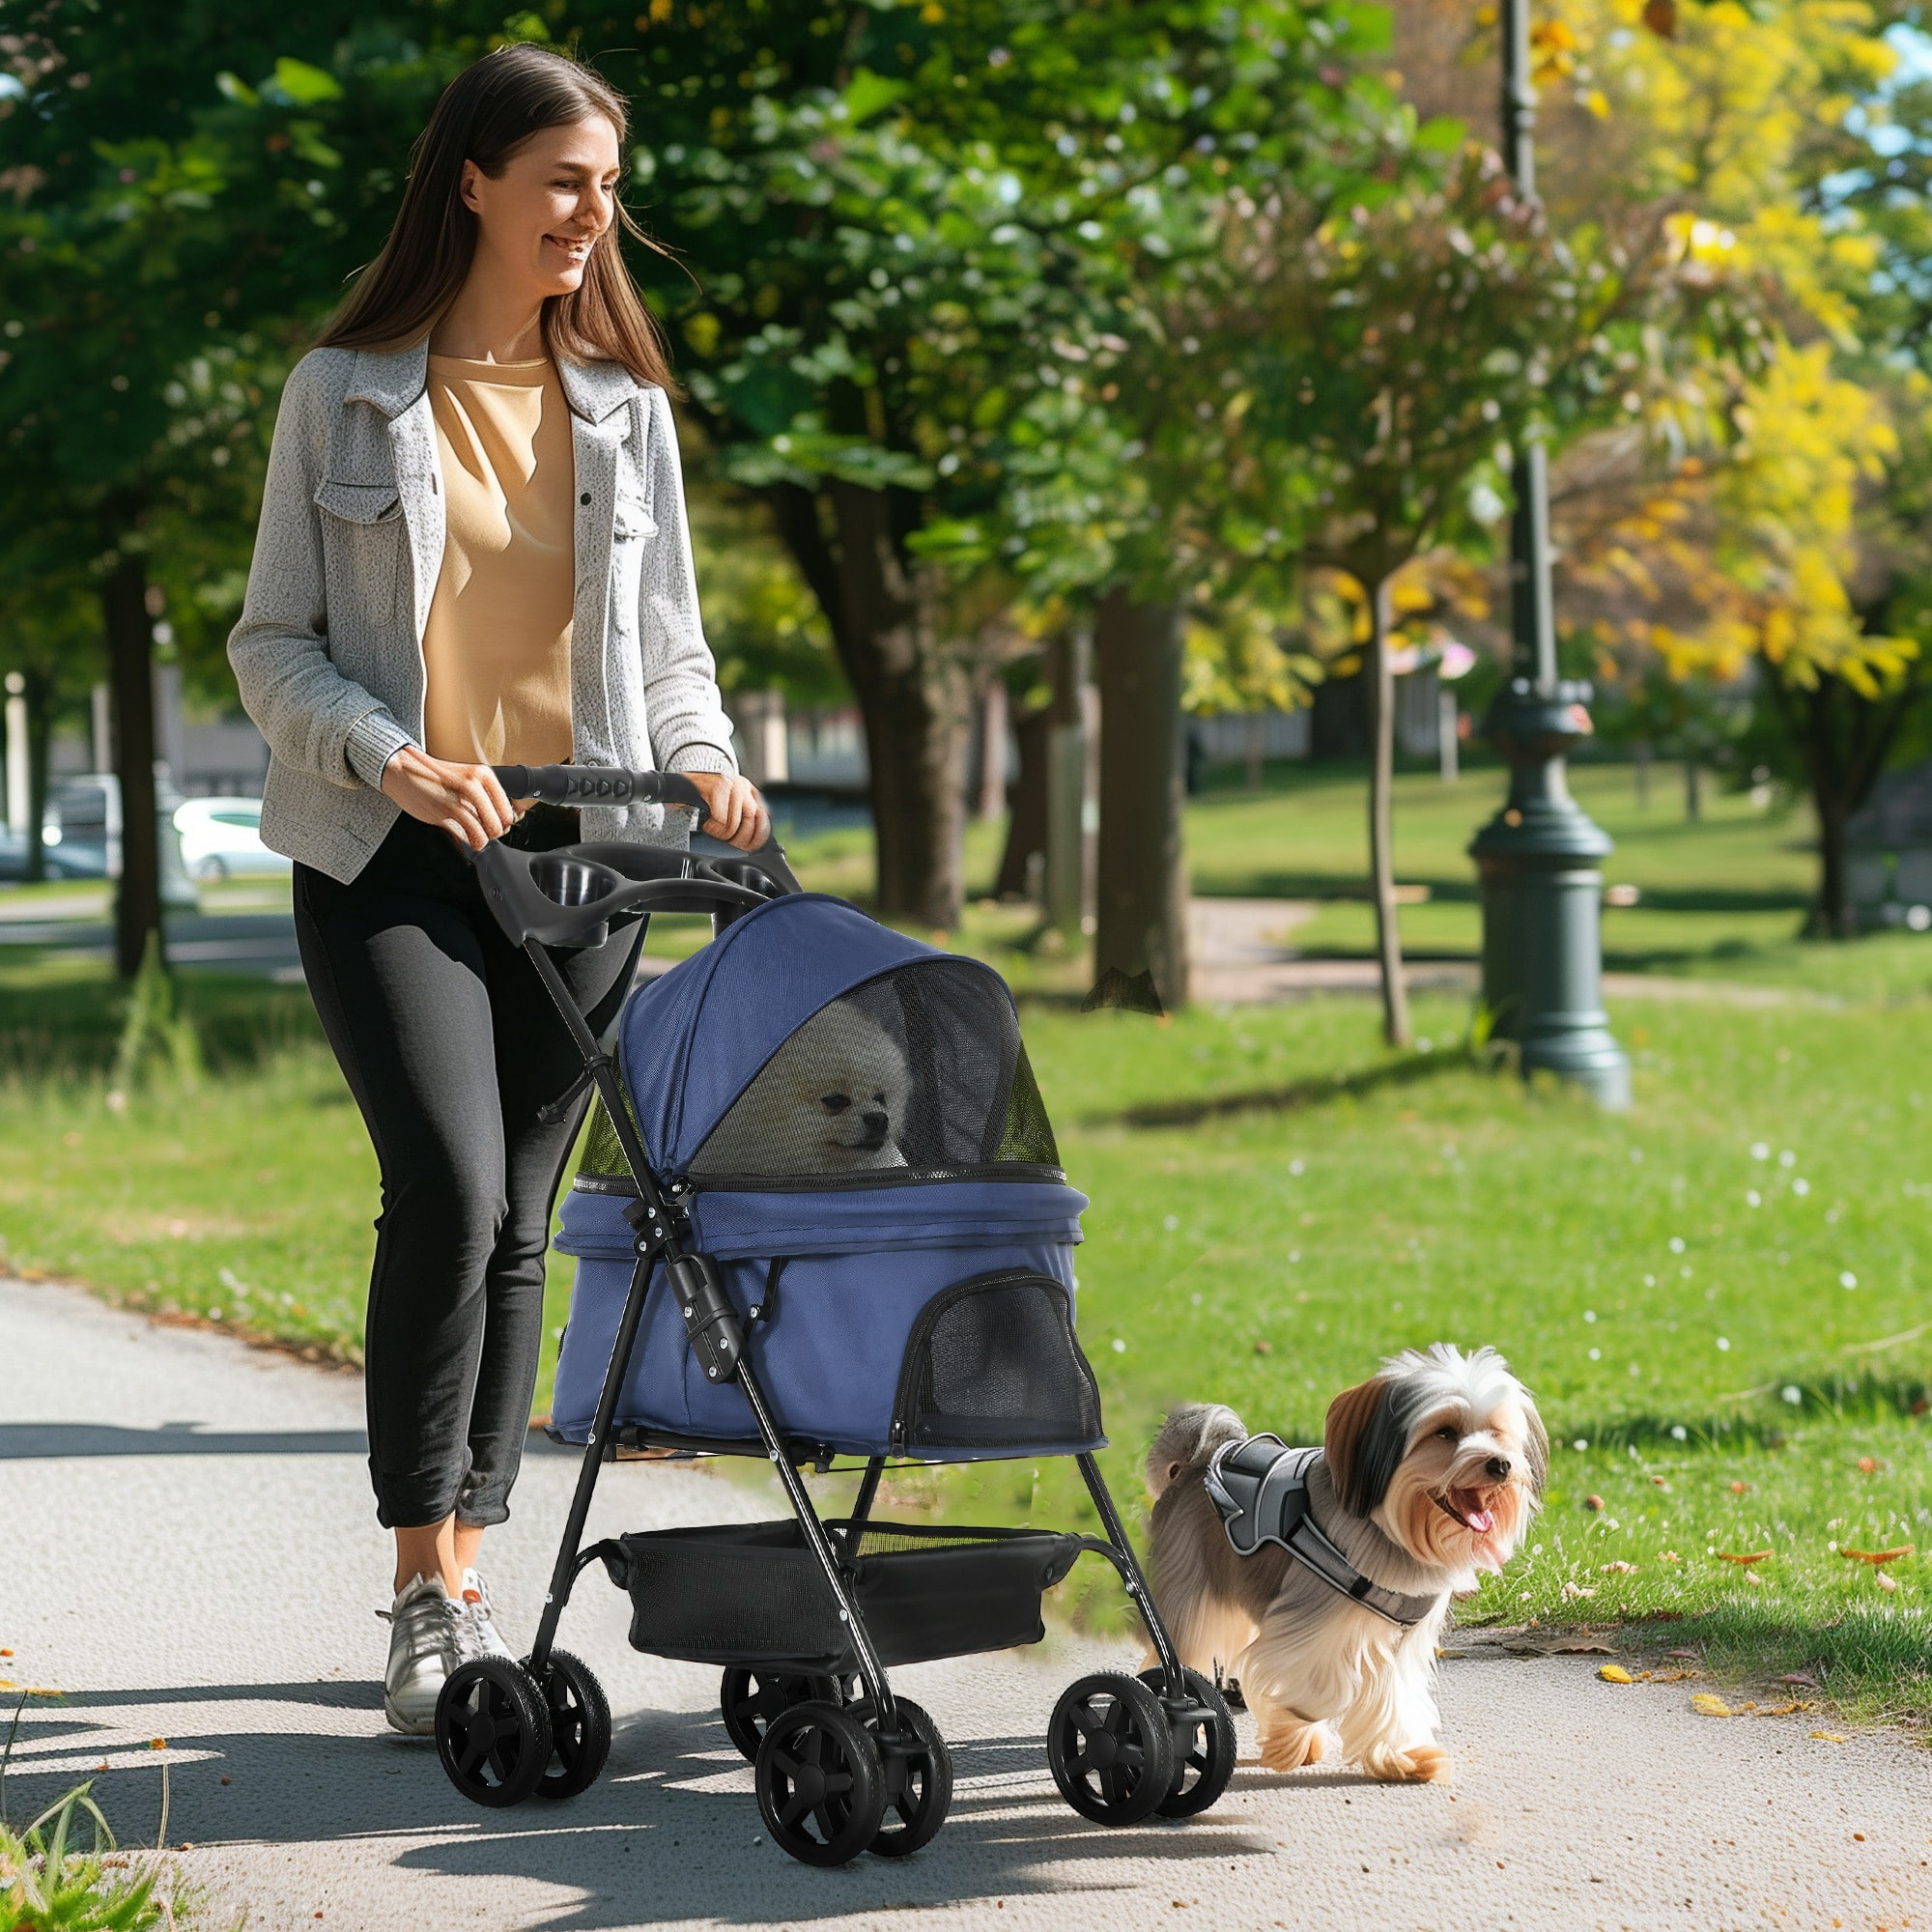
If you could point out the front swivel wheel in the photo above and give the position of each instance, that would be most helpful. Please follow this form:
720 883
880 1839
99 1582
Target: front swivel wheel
1203 1745
749 1697
580 1726
820 1782
1111 1748
493 1731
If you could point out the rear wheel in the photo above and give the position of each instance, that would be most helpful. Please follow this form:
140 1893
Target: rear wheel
493 1731
749 1700
1204 1745
579 1727
1110 1749
820 1784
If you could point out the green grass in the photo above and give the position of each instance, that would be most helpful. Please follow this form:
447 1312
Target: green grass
1433 1200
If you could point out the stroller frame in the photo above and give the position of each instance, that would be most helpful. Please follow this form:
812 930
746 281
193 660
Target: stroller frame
566 898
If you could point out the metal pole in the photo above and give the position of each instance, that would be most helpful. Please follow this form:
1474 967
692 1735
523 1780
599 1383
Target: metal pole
1537 858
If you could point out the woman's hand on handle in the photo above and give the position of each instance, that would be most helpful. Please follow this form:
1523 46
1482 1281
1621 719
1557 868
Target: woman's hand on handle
737 815
465 801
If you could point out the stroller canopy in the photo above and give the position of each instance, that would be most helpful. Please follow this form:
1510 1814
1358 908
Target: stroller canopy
809 1044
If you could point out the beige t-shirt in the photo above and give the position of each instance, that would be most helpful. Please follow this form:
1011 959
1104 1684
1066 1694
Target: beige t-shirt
496 645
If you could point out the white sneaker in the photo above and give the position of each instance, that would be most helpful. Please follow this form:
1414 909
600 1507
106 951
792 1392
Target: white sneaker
424 1634
478 1636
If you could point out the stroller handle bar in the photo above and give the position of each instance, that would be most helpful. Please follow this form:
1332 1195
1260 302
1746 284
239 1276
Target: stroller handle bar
568 896
568 784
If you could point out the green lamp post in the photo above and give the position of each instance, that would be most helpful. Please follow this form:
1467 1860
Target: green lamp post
1537 858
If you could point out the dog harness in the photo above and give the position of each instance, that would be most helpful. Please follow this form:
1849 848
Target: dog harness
1261 1487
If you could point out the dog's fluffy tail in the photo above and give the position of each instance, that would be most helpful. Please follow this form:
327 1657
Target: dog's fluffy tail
1190 1435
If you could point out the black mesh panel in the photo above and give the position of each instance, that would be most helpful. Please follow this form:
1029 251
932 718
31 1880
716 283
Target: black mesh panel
994 1362
918 1071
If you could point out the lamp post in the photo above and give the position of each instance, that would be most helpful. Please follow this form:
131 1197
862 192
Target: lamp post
1537 859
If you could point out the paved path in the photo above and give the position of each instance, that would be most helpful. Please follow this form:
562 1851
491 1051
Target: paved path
190 1553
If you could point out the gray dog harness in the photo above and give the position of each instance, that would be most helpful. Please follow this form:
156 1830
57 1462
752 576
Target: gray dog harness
1261 1487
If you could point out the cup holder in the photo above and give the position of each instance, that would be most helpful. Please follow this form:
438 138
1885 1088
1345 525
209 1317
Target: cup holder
568 881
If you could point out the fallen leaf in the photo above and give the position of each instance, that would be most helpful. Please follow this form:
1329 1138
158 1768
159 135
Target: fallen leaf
1877 1556
1571 1591
1708 1706
1886 1581
1616 1674
1619 1569
1264 1347
1684 1653
1676 1676
1660 1482
1753 1556
1593 1503
1829 1737
1739 1489
1869 1466
157 1743
1752 1578
1668 1556
1799 1677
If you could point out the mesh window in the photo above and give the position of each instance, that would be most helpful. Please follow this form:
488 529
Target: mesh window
601 1167
994 1362
917 1072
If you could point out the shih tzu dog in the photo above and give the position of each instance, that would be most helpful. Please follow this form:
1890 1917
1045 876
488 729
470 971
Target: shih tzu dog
1323 1577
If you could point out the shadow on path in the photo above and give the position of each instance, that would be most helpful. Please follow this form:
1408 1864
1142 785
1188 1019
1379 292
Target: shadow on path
31 1442
670 1833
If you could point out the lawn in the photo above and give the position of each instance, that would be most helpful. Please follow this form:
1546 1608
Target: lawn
1721 1299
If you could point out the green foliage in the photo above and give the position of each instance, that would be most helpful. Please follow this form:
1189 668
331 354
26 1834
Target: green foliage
155 1032
49 1883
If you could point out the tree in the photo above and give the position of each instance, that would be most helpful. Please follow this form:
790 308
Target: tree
907 225
170 238
1360 384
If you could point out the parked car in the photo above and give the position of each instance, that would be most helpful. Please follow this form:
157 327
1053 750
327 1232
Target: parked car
221 839
81 836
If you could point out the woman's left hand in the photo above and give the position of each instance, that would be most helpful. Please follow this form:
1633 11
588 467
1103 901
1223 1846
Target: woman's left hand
737 815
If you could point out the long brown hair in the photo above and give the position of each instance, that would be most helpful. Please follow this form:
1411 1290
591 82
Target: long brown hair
485 115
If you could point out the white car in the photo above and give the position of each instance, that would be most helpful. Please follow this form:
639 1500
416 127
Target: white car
221 838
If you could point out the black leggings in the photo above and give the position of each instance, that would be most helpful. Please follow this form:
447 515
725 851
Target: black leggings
450 1045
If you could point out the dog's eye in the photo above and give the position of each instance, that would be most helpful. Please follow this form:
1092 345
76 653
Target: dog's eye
1447 1435
836 1103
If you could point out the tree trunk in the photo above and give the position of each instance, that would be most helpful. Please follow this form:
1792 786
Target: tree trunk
40 696
137 904
1640 768
1834 917
1026 829
915 696
1254 774
993 709
1693 799
1380 691
1142 909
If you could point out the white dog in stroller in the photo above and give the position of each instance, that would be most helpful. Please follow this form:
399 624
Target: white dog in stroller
831 1100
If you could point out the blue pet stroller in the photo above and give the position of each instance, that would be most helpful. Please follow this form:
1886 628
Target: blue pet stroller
821 1216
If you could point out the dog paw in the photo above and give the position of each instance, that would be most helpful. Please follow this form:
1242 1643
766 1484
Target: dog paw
1419 1764
1291 1747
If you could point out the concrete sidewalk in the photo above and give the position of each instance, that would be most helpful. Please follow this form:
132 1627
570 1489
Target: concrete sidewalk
190 1553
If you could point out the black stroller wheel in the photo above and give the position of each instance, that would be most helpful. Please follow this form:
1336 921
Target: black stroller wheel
919 1785
579 1727
821 1785
1203 1753
749 1700
493 1731
1110 1749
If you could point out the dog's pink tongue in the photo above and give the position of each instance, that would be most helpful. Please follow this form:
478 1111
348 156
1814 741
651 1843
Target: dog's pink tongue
1481 1521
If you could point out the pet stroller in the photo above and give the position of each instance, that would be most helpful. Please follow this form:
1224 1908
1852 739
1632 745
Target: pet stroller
826 1220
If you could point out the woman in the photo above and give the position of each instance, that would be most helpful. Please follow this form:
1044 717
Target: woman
472 552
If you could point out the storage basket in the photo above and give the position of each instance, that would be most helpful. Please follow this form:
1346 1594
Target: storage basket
753 1594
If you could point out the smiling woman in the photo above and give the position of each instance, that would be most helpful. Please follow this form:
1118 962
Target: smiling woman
473 552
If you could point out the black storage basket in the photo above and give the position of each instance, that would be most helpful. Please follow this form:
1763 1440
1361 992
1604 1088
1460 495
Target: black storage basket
753 1594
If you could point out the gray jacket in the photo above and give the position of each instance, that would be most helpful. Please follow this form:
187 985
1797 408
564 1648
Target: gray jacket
328 652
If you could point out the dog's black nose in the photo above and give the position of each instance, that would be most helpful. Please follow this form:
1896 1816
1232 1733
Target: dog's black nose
1498 1467
875 1127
